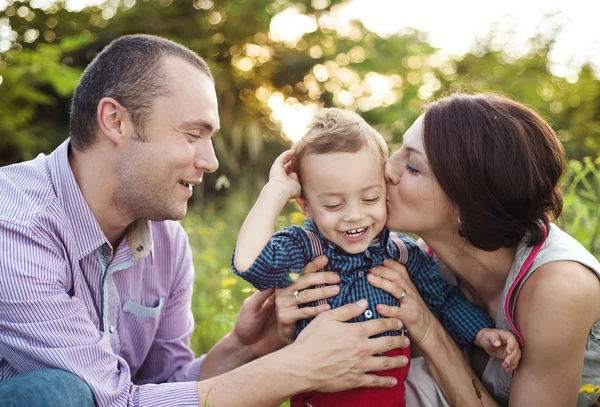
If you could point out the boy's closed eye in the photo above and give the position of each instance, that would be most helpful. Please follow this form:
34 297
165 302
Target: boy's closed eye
371 200
332 207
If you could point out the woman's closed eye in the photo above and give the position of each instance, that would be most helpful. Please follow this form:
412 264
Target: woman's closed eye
411 169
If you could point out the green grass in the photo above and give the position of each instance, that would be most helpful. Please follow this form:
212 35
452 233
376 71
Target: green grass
218 294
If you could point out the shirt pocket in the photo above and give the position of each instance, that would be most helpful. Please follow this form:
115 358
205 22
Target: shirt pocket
142 311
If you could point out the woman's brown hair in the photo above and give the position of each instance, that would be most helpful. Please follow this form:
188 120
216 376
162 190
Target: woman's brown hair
500 162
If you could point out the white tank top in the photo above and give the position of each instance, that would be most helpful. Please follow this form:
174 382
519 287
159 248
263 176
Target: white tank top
558 246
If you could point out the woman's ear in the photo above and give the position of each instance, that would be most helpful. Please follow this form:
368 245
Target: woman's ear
305 207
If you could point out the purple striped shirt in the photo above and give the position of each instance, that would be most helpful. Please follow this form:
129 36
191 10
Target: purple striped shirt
122 322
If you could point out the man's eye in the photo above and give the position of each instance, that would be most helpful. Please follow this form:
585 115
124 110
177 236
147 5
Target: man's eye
371 200
196 136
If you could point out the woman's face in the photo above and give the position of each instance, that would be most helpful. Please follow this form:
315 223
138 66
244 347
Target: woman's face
415 201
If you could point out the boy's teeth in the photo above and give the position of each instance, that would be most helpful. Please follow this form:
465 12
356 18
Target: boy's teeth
355 231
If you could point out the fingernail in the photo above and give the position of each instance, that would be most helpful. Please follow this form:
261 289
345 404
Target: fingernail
334 289
324 307
362 303
394 381
404 360
400 324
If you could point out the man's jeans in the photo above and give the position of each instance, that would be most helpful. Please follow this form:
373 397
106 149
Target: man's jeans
45 388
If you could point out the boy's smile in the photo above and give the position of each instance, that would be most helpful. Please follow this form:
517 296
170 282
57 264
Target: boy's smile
344 195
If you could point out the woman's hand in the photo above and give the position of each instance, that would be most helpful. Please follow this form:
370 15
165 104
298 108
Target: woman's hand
288 310
393 278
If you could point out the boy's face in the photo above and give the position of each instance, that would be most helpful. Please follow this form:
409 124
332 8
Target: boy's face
344 194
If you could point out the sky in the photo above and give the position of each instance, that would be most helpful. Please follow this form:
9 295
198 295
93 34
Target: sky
451 26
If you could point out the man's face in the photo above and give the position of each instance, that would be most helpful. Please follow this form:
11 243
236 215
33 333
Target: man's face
155 177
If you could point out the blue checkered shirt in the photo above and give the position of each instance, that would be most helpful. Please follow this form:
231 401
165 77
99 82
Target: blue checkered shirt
289 250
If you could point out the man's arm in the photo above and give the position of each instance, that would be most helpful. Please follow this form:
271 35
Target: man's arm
259 225
42 326
329 355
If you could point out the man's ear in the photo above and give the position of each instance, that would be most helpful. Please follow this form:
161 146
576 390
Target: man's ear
113 120
305 207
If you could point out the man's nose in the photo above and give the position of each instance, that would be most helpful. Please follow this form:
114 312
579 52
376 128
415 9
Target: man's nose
206 159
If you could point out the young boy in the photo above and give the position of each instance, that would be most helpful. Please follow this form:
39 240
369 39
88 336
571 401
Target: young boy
336 176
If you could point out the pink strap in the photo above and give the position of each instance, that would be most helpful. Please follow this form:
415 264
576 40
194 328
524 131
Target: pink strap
430 252
317 249
402 250
515 284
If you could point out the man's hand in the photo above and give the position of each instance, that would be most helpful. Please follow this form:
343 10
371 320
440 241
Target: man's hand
256 325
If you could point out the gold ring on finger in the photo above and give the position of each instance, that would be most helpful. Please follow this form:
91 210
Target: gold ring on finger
296 293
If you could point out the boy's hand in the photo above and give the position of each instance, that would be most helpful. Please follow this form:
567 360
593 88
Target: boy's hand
501 344
281 175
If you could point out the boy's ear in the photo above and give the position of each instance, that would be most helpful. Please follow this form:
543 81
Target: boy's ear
305 207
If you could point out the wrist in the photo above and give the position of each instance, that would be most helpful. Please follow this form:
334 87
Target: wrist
479 337
239 351
277 191
435 339
292 362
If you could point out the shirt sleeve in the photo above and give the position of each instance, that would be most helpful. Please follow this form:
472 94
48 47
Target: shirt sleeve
287 252
170 358
459 317
42 326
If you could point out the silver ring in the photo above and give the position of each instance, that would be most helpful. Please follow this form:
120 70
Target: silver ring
296 296
402 295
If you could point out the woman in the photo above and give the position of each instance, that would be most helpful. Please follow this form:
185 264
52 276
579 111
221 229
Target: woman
477 179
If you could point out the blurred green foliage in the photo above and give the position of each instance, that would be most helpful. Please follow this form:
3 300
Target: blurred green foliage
43 52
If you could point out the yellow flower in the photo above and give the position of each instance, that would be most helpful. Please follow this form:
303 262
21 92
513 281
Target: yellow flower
589 388
228 282
297 218
205 231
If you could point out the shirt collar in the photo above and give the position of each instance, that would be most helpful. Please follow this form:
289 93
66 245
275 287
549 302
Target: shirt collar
377 246
87 232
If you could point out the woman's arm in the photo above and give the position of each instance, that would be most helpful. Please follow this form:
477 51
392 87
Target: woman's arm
454 376
556 307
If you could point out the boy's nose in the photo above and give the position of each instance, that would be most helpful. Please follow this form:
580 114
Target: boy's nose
354 213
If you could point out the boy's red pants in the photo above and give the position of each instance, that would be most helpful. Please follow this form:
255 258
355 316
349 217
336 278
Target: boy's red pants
364 396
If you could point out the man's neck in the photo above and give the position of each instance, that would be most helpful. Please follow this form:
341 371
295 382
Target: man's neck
98 191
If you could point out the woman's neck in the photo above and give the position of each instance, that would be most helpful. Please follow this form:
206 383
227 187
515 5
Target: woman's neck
483 274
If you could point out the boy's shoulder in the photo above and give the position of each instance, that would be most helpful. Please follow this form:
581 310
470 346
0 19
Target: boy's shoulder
410 243
292 234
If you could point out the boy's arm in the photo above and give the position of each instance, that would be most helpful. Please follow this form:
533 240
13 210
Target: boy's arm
259 225
500 344
459 317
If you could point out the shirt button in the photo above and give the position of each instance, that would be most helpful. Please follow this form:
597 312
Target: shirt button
368 313
367 252
361 273
139 248
111 329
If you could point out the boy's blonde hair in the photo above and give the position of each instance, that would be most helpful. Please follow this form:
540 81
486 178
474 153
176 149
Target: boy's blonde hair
337 131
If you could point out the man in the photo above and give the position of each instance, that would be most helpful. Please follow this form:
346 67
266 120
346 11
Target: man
96 277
